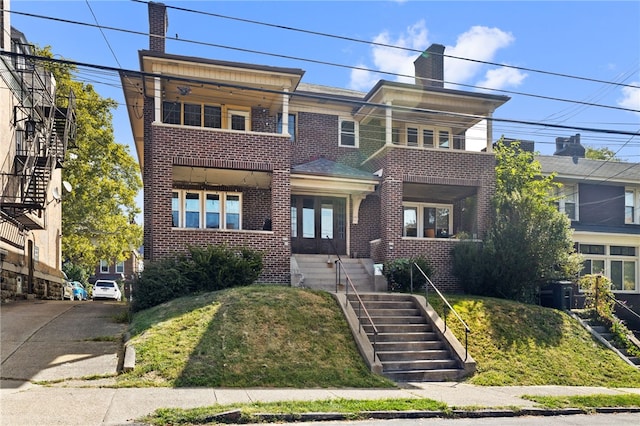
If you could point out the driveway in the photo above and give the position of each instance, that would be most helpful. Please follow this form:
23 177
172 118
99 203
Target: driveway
54 340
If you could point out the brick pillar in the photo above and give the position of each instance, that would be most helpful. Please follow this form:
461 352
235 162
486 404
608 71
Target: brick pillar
158 25
391 215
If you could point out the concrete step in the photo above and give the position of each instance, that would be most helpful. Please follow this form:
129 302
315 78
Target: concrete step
439 375
386 304
398 328
399 319
409 312
423 364
407 355
404 337
410 346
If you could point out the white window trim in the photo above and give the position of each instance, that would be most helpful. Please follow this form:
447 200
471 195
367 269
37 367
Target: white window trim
202 205
561 193
420 217
608 258
636 205
104 267
244 113
356 131
119 268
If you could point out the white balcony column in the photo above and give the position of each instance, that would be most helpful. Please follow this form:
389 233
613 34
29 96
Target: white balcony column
388 125
285 113
157 98
489 133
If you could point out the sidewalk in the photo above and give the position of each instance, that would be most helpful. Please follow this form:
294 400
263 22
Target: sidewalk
28 404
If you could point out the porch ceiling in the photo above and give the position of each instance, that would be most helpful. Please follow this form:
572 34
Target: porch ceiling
221 177
436 193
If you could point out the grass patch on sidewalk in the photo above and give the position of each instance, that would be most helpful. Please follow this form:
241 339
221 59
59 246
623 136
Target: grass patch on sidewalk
355 409
586 401
256 336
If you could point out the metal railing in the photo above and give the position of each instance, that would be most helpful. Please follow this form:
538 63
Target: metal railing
446 305
361 308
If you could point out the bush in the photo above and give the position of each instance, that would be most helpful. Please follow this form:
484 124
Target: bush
398 273
208 268
468 267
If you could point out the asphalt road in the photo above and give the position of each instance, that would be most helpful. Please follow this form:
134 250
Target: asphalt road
51 340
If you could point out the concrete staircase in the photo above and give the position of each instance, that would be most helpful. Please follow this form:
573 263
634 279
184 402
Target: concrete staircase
407 345
318 271
606 334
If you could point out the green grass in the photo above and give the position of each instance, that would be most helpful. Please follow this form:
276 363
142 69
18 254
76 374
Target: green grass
586 401
257 336
355 409
518 344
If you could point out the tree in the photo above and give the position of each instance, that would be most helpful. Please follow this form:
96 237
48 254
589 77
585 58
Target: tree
98 214
602 153
529 241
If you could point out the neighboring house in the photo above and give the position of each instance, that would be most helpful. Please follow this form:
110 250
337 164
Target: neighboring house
248 155
33 142
602 199
126 270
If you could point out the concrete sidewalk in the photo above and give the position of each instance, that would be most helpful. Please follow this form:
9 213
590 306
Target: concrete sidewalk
29 404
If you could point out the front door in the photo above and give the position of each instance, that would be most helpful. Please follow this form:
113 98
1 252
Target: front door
318 225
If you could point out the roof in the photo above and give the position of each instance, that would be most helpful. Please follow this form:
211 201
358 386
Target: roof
587 169
324 167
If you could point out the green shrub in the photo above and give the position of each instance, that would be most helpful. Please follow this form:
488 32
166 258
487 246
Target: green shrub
398 273
210 268
468 267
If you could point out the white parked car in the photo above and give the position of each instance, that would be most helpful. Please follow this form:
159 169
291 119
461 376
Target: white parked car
67 290
106 289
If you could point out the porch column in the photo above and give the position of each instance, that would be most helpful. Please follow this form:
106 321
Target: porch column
157 99
388 125
285 113
489 133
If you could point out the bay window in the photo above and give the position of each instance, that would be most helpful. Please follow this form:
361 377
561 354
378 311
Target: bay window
618 263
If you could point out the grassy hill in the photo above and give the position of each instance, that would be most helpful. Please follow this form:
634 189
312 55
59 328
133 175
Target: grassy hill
273 336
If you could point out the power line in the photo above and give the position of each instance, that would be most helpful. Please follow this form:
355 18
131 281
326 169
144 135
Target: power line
391 46
353 102
319 62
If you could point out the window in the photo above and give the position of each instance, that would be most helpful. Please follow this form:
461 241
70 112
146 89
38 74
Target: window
206 209
348 133
443 139
427 221
212 116
104 267
412 136
238 120
192 115
567 200
618 263
291 126
632 206
120 268
192 210
424 136
171 112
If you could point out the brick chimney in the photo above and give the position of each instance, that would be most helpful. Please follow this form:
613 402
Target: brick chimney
429 67
158 25
570 147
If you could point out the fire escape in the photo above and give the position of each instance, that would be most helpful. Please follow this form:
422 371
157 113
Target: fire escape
42 132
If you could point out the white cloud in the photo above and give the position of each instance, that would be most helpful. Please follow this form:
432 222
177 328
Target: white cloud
630 97
499 78
479 43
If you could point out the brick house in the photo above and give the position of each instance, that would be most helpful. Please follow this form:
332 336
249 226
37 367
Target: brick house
602 199
245 154
34 134
111 269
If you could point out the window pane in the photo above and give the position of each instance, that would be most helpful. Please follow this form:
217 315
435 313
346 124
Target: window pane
429 222
442 222
308 219
232 211
622 251
291 126
212 117
175 209
591 249
616 275
597 267
347 133
212 211
629 276
104 266
238 122
412 136
570 210
443 139
120 268
326 221
294 221
192 115
410 222
192 210
427 138
171 112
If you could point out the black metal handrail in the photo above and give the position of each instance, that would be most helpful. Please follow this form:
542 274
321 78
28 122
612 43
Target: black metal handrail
446 305
361 307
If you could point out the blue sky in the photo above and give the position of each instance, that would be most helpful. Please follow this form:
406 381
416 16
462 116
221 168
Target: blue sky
595 40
